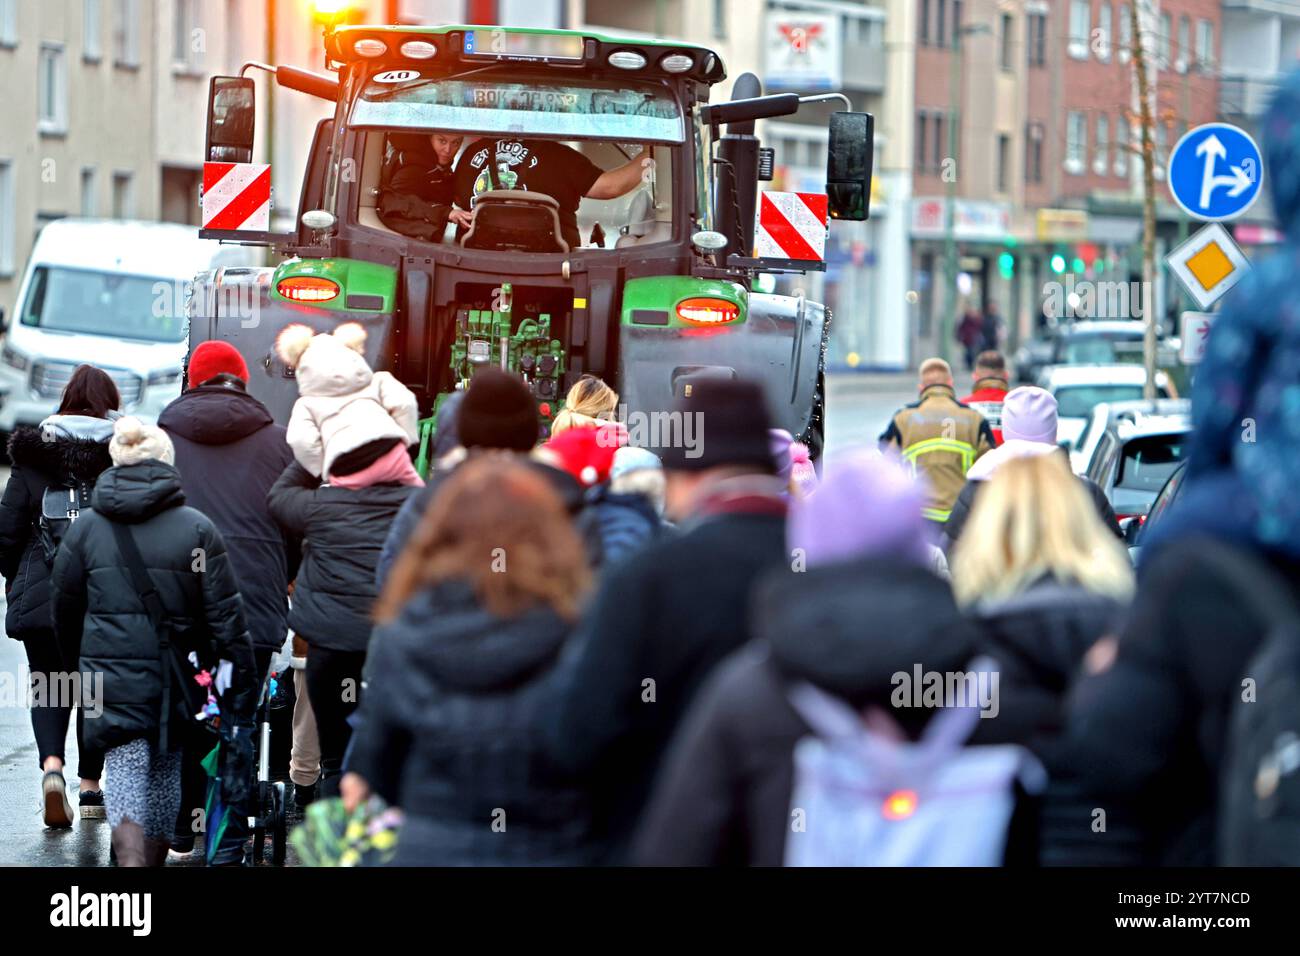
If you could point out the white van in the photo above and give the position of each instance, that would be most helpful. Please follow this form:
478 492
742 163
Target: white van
107 293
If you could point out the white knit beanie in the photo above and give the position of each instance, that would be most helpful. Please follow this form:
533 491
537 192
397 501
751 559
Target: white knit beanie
133 442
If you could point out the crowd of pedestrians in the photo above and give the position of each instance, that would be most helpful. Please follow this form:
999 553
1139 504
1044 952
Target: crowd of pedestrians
577 651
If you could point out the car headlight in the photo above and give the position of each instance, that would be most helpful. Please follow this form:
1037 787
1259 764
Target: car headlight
165 376
14 359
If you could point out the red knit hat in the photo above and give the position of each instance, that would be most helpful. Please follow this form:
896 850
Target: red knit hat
214 357
587 453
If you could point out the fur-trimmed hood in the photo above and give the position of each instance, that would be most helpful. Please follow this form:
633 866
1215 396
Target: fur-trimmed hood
63 459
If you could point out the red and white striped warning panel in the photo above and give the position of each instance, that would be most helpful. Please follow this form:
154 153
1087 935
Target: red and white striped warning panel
237 196
791 226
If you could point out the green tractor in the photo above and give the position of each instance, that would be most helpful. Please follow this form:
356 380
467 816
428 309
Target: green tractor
650 289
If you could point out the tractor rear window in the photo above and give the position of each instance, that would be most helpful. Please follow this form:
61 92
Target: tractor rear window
575 109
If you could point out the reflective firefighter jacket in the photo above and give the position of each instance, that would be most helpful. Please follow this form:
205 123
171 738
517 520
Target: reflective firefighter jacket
940 438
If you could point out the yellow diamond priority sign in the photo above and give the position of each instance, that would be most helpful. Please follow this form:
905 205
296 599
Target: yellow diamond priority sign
1208 264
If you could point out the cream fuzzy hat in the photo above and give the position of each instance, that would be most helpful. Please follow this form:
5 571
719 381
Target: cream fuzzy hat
133 442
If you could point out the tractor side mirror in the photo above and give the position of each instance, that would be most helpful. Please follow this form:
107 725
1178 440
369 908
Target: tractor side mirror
232 110
848 165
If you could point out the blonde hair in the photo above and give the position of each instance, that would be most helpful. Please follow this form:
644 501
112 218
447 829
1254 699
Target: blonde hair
935 371
1031 519
589 403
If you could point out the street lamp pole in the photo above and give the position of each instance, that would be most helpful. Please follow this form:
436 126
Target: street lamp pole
949 215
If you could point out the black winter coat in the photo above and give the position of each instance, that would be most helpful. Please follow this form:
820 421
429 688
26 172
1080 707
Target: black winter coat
1145 738
449 732
342 532
1038 639
230 452
37 465
668 614
101 620
724 794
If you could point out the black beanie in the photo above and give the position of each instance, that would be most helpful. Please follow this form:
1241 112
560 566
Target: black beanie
730 427
497 412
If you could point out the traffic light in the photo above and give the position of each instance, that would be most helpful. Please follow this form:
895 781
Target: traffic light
1078 266
1007 265
1058 263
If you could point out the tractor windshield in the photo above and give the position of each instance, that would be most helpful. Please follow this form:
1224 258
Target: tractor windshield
568 108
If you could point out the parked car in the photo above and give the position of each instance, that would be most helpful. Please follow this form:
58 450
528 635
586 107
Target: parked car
1135 456
1137 528
1107 412
1081 388
110 293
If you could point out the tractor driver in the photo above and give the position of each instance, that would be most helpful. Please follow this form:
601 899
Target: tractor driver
418 198
542 166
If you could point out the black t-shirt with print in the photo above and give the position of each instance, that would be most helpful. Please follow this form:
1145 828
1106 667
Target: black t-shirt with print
539 166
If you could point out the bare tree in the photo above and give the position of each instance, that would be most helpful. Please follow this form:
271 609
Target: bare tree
1142 25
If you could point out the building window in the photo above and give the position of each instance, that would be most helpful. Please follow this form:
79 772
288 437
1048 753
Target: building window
1034 153
923 24
188 40
1080 28
126 33
8 23
1204 43
1036 38
92 25
921 123
89 201
1121 146
1008 26
1162 41
1125 33
1004 160
123 196
1184 58
1101 158
719 19
52 87
941 24
1076 142
1104 33
7 216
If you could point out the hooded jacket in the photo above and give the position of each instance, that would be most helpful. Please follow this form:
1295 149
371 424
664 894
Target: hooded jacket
342 532
343 405
229 453
984 469
101 620
724 794
451 735
65 450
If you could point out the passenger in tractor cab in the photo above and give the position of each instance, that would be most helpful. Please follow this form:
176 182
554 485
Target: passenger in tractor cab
541 166
418 185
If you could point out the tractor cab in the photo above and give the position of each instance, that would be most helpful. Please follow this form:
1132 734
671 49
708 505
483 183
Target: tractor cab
551 202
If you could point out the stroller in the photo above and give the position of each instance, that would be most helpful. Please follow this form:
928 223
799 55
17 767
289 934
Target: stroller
268 820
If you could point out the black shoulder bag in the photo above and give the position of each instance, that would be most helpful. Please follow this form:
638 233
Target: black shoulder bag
174 665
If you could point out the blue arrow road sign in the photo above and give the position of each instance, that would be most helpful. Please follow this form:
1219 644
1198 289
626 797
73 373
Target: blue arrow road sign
1215 172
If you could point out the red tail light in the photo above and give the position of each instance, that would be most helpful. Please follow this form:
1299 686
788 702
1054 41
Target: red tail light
707 311
1141 519
307 288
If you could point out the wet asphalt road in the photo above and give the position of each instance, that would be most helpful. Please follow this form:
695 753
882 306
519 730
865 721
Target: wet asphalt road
858 408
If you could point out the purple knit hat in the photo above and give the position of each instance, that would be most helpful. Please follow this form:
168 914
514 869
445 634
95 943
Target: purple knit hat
1029 414
867 505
